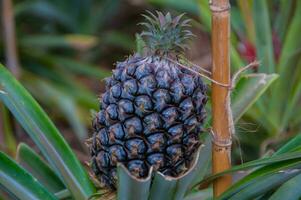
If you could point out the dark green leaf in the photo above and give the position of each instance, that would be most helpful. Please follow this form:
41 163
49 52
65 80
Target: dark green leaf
264 184
273 172
131 188
43 132
289 190
248 89
19 182
263 37
292 156
31 161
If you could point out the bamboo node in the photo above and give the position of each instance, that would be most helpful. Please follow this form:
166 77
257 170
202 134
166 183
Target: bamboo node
215 8
221 143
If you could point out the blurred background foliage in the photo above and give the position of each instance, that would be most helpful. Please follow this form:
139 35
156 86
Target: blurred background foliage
65 48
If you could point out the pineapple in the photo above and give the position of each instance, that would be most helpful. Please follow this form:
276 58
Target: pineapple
152 110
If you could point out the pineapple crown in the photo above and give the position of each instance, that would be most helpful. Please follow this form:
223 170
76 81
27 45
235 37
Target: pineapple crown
164 34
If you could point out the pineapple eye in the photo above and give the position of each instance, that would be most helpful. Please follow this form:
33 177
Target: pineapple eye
105 98
144 70
129 89
117 74
103 160
163 79
199 100
138 168
143 105
125 108
117 154
175 133
133 126
111 113
131 69
190 123
101 118
124 76
156 160
116 90
102 136
186 107
174 152
162 98
177 91
116 131
156 141
169 116
109 82
151 123
188 83
135 146
147 85
191 142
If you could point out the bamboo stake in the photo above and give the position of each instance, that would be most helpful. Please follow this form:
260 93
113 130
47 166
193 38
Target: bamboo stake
222 116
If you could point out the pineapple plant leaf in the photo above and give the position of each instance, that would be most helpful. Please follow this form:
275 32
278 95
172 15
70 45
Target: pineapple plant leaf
130 187
288 190
43 132
33 163
263 180
256 85
18 183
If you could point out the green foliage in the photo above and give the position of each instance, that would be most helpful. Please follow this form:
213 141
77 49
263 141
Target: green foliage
51 66
43 132
56 38
15 180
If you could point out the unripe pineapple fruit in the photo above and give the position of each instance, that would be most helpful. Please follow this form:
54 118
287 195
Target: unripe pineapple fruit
152 110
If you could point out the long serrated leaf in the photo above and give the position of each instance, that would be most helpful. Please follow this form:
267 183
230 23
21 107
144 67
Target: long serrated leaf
19 182
264 184
263 37
260 175
29 160
289 190
283 17
293 98
131 188
295 156
290 145
248 89
286 67
43 132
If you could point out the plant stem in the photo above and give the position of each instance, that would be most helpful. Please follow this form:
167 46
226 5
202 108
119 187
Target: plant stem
221 112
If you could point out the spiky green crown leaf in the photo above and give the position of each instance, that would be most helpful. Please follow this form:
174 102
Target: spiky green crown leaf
165 34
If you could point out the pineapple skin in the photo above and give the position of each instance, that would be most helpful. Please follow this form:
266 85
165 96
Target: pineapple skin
151 114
